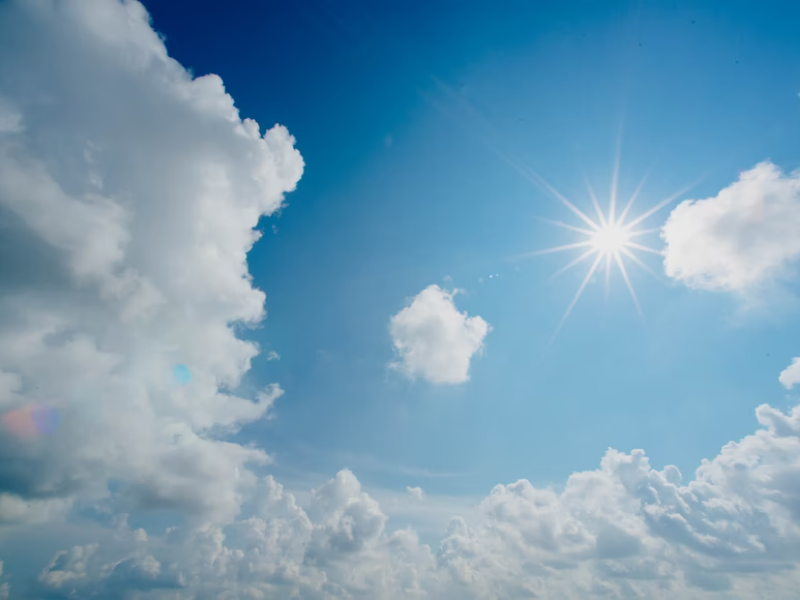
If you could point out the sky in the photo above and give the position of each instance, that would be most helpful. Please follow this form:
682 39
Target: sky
339 300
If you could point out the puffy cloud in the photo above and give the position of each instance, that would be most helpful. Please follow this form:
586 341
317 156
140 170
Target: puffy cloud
130 192
347 518
336 548
435 341
790 376
740 239
67 568
628 528
415 492
107 572
624 530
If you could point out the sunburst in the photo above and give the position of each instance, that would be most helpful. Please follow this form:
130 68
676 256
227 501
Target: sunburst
609 239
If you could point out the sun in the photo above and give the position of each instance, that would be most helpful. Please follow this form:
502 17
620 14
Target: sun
608 240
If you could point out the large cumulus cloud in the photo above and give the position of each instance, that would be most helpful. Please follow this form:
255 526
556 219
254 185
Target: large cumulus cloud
624 530
129 196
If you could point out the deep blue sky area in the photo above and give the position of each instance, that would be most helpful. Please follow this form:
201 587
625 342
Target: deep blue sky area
408 115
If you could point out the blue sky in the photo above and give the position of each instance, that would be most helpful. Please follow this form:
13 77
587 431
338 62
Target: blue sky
383 398
693 93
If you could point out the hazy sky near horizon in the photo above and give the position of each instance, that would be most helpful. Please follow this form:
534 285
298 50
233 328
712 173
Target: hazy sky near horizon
399 300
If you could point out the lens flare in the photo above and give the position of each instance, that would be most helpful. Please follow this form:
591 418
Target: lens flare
45 418
182 374
32 420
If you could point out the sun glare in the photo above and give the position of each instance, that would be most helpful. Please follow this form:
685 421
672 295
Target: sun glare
608 241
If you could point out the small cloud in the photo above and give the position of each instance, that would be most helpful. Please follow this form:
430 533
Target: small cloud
266 400
790 376
415 492
435 341
274 228
272 355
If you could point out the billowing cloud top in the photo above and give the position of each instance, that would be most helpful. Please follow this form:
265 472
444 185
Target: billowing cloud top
434 340
624 530
130 192
790 376
741 239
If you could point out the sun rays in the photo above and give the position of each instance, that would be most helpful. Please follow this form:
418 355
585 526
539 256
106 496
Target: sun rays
609 240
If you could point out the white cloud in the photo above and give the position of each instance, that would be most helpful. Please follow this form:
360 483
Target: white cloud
790 376
67 567
272 355
741 239
622 530
435 341
415 492
140 188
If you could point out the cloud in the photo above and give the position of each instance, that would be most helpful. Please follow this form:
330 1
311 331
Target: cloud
111 571
415 492
740 240
435 341
790 376
67 567
131 192
622 530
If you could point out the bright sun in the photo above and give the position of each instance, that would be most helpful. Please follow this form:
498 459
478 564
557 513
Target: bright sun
609 239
